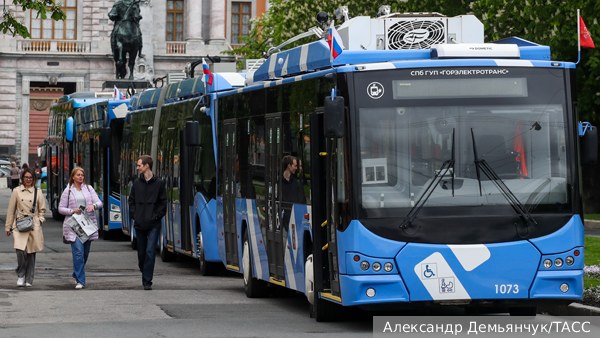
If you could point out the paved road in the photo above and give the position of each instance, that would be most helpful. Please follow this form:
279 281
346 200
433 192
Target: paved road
182 304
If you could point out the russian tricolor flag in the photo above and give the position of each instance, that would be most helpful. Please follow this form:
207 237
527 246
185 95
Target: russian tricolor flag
117 94
208 77
335 42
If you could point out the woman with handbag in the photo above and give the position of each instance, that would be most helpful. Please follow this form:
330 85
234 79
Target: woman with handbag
78 194
26 214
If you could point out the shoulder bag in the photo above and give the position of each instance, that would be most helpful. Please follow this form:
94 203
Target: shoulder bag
25 223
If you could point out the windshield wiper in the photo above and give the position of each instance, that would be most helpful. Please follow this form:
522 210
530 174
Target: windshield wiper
481 164
446 166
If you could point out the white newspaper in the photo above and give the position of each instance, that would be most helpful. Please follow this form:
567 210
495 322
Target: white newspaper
82 226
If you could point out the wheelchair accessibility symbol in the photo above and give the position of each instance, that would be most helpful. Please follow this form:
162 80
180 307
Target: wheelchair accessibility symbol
429 271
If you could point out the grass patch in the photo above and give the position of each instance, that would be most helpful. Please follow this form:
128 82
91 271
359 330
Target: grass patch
592 250
43 185
592 217
590 282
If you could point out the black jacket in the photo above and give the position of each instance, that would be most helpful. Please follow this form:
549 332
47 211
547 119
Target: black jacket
148 202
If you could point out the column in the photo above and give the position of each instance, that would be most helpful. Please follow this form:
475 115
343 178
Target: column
25 120
192 17
217 22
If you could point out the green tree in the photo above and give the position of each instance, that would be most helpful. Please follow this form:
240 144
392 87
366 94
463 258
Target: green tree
42 7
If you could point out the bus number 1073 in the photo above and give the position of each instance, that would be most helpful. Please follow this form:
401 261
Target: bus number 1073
507 288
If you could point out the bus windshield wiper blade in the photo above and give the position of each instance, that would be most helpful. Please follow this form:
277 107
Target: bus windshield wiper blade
481 164
448 165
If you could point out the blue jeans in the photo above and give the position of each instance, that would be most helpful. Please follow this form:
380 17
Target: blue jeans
80 251
146 248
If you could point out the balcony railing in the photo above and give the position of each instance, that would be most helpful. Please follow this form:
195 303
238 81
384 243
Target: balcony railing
176 47
54 46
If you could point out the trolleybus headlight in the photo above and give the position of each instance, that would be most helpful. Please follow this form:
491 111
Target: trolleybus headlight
364 265
547 263
570 260
370 292
376 266
388 267
558 262
564 287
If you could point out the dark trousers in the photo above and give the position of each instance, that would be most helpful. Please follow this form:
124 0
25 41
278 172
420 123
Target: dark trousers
25 265
146 248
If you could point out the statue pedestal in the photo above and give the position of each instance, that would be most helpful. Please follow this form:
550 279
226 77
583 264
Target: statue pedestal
123 84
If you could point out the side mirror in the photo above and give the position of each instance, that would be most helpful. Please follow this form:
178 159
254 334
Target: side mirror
192 133
105 137
69 130
588 143
333 119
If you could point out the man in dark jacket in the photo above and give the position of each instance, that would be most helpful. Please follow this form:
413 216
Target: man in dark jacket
147 206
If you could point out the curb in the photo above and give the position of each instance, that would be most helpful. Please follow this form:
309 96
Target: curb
573 309
592 224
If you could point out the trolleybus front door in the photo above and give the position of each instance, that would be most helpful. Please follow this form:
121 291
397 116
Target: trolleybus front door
276 232
185 193
229 194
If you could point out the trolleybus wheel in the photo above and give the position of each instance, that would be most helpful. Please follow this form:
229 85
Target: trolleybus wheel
530 311
206 268
254 287
165 255
132 239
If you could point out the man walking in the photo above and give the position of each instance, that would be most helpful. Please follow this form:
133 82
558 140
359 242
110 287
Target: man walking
147 206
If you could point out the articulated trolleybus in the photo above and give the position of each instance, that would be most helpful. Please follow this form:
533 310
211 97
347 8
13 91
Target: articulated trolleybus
427 167
81 127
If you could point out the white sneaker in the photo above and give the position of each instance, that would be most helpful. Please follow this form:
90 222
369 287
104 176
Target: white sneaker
28 285
79 286
21 281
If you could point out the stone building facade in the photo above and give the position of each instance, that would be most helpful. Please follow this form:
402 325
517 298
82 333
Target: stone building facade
75 55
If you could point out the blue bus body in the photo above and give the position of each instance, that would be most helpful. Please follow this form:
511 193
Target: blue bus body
102 164
58 150
445 175
468 245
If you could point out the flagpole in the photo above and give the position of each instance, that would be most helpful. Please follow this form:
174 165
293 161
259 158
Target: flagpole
331 43
578 37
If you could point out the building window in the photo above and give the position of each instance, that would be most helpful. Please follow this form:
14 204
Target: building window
57 30
175 20
240 20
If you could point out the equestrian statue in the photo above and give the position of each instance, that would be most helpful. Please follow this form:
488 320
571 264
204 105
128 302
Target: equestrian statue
126 37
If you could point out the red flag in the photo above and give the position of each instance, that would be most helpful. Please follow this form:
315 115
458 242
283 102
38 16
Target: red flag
518 147
586 38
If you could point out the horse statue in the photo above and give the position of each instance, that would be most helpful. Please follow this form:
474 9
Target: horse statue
126 37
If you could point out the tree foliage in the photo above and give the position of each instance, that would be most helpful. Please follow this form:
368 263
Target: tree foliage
42 7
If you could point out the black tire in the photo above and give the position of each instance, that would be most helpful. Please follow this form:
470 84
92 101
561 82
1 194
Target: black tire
206 268
530 311
254 288
165 255
132 239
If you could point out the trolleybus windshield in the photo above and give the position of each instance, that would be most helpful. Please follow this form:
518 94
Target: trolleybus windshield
403 141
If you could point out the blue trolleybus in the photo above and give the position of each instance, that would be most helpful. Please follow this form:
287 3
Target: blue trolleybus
75 126
421 166
99 154
156 125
